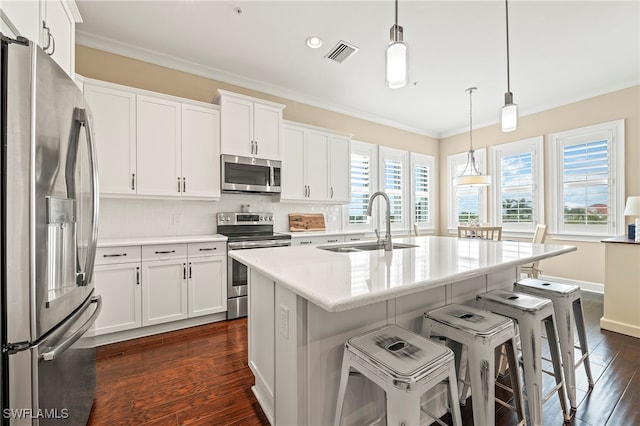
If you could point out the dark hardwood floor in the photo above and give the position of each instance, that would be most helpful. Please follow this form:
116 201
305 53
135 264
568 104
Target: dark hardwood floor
200 376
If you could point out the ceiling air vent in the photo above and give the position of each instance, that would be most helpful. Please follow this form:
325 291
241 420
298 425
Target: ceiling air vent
341 52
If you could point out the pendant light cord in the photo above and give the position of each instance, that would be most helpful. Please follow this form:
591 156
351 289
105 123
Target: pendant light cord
396 12
506 8
470 90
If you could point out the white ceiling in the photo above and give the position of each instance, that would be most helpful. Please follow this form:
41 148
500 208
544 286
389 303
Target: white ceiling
561 51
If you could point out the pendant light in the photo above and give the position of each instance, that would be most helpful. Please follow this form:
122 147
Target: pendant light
509 113
397 60
470 176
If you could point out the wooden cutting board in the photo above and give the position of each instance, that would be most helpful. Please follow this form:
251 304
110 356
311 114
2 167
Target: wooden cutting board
306 222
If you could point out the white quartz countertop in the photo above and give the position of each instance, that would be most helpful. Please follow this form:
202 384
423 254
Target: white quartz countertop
341 281
147 241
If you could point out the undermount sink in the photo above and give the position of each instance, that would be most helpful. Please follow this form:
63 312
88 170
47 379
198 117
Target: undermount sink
354 248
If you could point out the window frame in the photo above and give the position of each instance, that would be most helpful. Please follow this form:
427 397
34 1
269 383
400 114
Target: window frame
614 131
416 159
453 161
534 146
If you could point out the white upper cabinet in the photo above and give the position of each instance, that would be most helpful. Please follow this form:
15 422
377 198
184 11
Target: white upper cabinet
114 113
250 127
339 169
154 146
158 146
200 151
315 166
49 23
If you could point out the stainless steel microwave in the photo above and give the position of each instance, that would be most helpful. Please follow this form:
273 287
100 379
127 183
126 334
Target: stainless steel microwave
248 174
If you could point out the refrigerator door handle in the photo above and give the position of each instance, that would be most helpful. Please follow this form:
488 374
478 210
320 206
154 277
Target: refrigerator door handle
69 341
82 119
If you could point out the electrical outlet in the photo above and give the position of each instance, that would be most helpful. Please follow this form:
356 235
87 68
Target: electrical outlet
284 321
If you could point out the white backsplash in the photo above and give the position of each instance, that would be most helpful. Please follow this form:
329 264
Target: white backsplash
129 218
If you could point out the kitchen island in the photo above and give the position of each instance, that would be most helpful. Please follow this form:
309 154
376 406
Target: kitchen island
305 302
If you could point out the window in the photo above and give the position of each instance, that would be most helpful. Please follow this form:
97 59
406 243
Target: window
467 204
422 176
394 181
587 180
518 181
363 184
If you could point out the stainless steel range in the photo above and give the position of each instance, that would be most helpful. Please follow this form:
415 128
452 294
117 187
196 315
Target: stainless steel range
245 231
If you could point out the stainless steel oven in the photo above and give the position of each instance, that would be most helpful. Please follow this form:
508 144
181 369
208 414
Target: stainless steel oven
245 231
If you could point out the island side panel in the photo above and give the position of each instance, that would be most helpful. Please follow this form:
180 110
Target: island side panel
261 343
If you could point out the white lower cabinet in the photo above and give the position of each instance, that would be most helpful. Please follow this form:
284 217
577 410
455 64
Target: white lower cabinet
164 291
150 285
117 278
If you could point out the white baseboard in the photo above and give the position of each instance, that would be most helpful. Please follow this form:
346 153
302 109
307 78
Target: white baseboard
584 285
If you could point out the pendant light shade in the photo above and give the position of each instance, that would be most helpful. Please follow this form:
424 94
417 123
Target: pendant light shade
470 176
509 113
397 58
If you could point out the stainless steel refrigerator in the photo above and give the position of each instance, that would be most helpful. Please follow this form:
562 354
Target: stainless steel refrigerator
48 239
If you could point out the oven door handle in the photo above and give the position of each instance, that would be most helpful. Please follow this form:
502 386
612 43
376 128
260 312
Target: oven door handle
257 244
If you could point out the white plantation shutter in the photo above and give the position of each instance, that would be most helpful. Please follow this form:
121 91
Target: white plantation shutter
519 178
585 181
466 203
363 184
422 186
394 181
588 183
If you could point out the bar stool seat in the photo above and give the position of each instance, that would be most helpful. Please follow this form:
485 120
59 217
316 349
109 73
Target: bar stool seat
530 312
405 365
481 332
567 304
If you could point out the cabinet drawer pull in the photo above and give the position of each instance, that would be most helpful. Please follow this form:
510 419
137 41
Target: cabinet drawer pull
208 249
305 242
138 275
354 239
165 252
114 255
332 241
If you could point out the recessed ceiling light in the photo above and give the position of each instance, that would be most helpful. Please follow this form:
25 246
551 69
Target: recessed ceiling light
314 42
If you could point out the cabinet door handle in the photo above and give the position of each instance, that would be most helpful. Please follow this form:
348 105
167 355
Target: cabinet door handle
189 270
51 41
114 255
184 184
252 147
179 186
133 181
184 271
208 249
309 192
137 275
256 147
332 192
165 252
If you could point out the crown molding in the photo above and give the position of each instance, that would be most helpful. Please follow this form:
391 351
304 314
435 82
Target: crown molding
164 60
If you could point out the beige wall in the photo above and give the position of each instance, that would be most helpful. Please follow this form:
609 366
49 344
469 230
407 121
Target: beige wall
587 264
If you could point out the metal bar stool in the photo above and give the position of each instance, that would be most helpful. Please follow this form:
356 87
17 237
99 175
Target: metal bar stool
566 300
405 365
481 332
530 312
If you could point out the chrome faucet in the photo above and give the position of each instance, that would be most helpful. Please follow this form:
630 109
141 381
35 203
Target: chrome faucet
386 241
